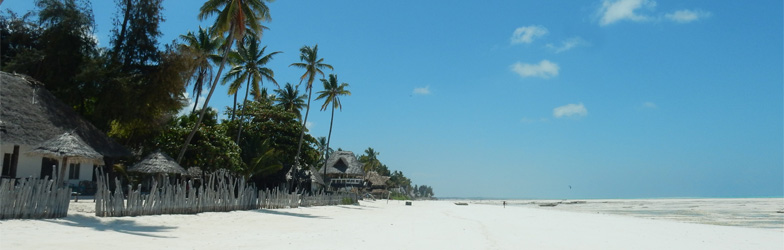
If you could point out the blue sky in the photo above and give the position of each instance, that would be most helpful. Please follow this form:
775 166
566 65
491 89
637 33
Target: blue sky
520 99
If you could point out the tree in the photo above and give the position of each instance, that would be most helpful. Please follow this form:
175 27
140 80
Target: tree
200 48
331 95
312 65
290 99
234 17
135 35
249 66
370 159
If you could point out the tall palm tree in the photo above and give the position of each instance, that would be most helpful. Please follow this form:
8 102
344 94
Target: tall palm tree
331 95
201 47
234 17
249 67
312 65
290 99
371 159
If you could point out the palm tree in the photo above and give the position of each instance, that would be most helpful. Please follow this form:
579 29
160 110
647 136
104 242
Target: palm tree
249 63
290 99
331 95
234 17
371 159
201 47
312 65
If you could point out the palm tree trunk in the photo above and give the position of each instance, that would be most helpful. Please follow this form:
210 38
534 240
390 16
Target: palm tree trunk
329 138
199 84
207 100
304 121
244 103
234 109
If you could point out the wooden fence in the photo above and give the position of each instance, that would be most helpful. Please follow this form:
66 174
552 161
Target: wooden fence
219 193
33 198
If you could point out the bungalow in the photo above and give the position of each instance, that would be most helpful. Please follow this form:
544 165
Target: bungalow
377 184
344 171
30 115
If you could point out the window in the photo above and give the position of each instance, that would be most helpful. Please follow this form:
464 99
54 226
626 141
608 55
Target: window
73 171
6 165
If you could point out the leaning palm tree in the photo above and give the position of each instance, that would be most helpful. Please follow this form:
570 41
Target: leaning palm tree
331 95
249 68
312 65
290 99
201 48
234 17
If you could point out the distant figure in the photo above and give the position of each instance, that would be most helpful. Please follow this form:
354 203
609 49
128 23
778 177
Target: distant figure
570 186
504 204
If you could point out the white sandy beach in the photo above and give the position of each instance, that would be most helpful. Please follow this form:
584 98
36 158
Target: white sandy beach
378 225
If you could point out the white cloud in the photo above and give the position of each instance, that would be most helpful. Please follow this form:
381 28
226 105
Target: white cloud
686 16
189 107
309 125
649 105
545 69
614 11
567 44
569 110
422 91
527 34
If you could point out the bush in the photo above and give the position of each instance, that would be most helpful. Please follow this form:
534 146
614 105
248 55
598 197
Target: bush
347 201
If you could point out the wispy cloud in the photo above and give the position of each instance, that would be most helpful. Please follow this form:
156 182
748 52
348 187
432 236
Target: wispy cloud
614 11
570 110
687 16
527 34
544 69
567 44
309 125
422 91
649 105
189 107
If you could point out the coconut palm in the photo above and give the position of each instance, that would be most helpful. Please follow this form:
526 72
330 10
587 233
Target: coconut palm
201 47
234 17
249 68
312 65
331 95
290 99
371 159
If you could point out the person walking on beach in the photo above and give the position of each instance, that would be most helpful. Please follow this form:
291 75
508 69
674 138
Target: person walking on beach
504 204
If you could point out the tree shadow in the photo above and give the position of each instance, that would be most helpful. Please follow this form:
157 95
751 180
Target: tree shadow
278 212
355 207
120 226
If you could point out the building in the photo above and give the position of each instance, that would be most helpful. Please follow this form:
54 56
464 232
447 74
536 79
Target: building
30 115
344 171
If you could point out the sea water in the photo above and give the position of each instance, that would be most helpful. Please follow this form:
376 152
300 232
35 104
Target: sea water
765 213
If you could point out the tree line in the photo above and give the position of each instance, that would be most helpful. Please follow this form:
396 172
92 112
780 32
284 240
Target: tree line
134 88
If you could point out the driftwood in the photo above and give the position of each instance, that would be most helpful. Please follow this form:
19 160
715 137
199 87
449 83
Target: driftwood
33 198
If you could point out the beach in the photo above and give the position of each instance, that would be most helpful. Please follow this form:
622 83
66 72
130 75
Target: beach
380 224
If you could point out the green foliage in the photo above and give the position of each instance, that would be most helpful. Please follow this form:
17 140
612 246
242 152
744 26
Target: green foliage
346 201
135 33
213 149
398 196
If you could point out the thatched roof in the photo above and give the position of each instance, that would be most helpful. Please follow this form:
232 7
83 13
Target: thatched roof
316 176
68 145
30 115
376 179
158 163
344 162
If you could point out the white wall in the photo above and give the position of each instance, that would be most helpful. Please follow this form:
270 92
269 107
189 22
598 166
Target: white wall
30 166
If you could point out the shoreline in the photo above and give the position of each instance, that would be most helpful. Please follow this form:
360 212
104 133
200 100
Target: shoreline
378 225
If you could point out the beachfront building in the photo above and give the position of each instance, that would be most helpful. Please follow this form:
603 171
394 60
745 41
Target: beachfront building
376 183
30 115
344 171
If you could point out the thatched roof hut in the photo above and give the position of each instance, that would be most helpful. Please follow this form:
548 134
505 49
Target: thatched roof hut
30 115
68 145
344 163
158 163
376 180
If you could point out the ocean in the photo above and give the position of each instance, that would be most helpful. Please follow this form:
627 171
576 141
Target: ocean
766 213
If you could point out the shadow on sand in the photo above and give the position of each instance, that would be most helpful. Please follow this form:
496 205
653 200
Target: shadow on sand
120 226
278 212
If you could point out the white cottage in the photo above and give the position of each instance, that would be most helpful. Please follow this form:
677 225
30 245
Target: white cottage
30 115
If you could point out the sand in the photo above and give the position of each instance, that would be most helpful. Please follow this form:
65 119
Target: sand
379 225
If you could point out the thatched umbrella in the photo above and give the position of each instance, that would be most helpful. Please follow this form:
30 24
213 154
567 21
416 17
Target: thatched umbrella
69 147
158 163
